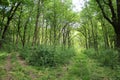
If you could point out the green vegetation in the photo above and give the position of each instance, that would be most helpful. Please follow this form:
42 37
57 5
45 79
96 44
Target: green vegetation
49 40
47 55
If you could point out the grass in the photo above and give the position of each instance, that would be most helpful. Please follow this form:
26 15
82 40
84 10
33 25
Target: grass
3 56
80 67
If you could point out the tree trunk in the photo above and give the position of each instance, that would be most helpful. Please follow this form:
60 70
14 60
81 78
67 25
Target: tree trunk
36 24
25 29
9 18
118 40
6 27
69 41
117 45
118 24
46 30
18 26
117 32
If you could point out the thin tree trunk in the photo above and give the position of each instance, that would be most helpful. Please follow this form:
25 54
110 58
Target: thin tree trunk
46 30
18 29
9 18
36 24
54 24
25 29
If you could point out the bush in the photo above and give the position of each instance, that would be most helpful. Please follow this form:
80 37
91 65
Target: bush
47 55
91 53
63 56
7 45
24 52
108 57
42 56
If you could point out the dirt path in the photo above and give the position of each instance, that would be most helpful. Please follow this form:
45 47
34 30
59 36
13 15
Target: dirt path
8 67
22 62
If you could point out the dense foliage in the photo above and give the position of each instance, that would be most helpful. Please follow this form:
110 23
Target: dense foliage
47 56
49 40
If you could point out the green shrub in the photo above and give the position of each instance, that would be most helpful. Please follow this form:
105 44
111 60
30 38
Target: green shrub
42 56
47 55
91 53
63 56
108 57
7 45
24 52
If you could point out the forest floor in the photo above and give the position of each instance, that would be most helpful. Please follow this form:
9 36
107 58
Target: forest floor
13 67
8 67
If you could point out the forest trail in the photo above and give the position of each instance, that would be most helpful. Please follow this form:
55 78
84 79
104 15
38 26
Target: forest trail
8 68
23 63
12 65
16 68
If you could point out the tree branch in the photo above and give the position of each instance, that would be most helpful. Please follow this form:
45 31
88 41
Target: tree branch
105 2
118 10
103 12
112 11
14 10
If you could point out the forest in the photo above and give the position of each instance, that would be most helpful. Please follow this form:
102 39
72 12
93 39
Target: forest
51 40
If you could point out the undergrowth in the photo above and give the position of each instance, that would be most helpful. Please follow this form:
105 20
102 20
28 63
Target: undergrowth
107 57
90 65
47 56
51 63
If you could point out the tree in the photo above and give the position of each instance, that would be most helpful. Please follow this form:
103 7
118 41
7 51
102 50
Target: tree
36 24
10 16
114 17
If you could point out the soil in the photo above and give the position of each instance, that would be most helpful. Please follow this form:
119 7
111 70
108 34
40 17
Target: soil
8 67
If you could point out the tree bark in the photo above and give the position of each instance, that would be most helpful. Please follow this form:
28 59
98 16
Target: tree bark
118 24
